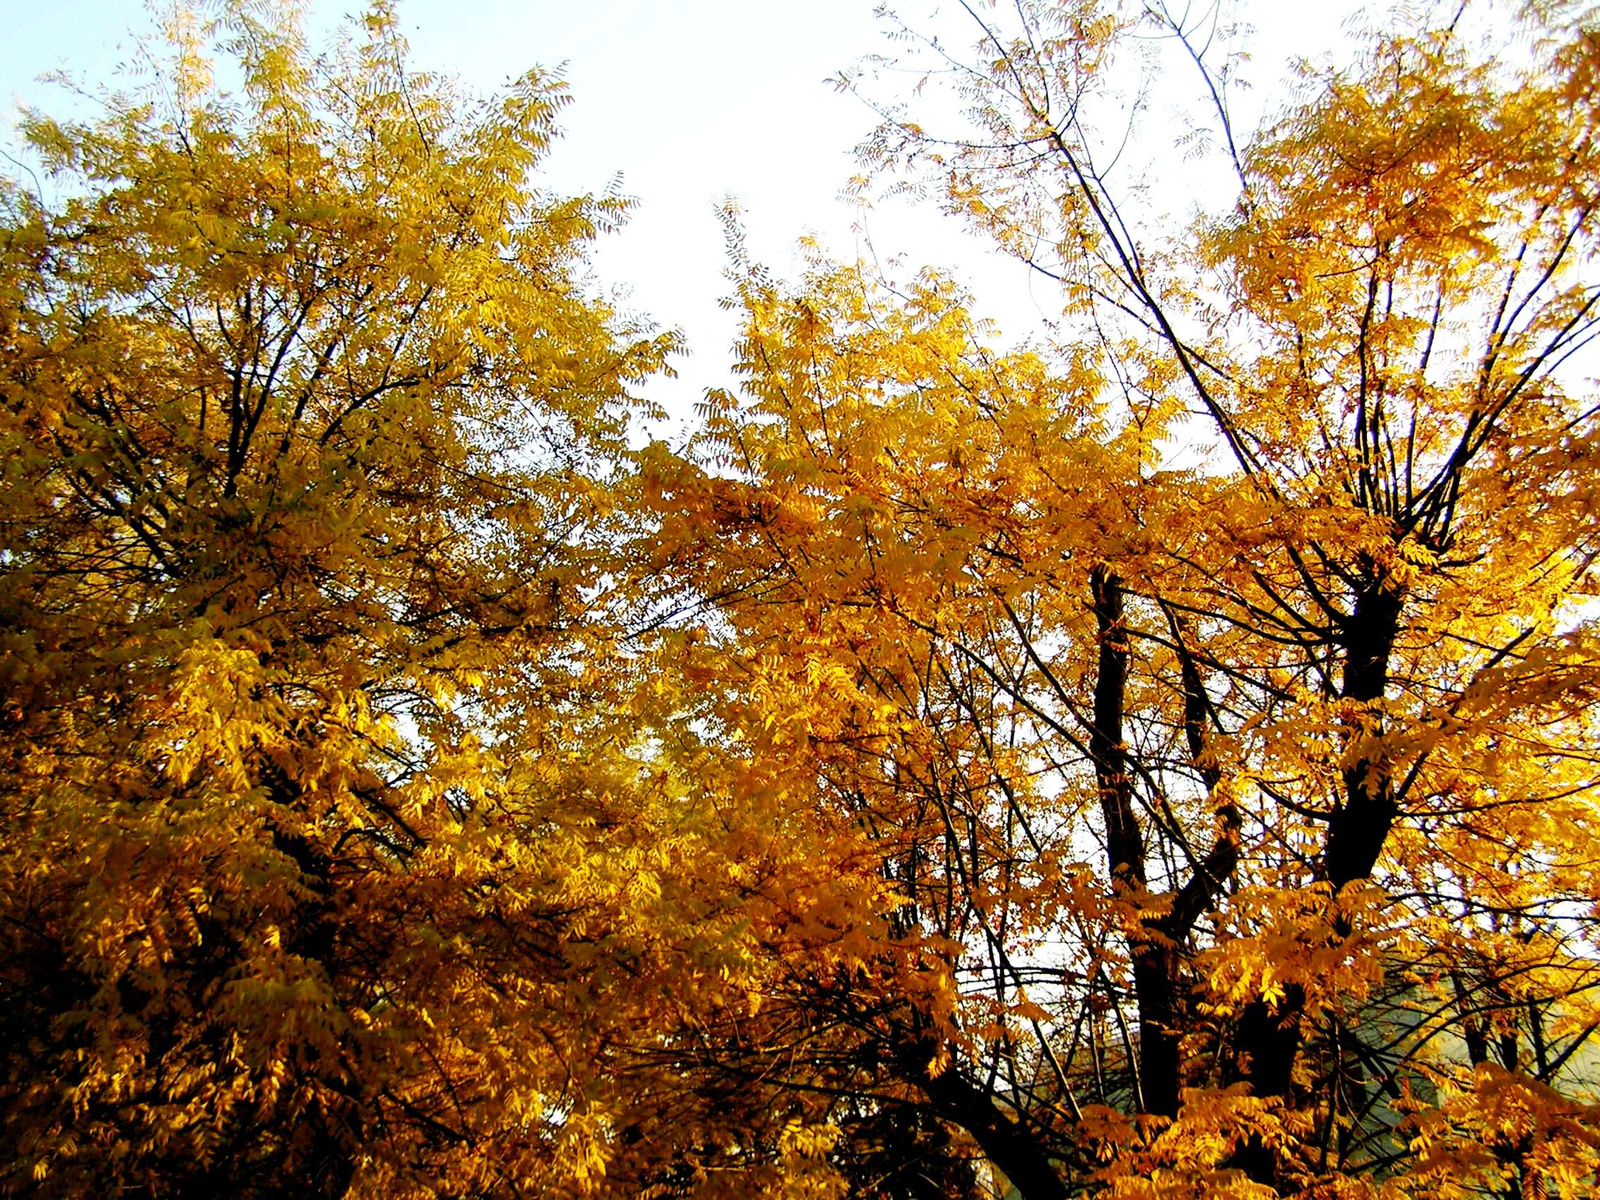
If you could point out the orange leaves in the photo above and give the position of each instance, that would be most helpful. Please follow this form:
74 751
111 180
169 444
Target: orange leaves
1212 879
334 854
1497 1130
412 788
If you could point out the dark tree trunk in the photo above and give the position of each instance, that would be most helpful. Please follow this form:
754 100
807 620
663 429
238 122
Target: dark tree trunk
1269 1038
1014 1149
1359 828
1154 957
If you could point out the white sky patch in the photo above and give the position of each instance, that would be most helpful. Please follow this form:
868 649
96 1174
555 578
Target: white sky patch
693 102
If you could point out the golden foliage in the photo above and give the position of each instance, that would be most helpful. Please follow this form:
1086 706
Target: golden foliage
933 780
1231 825
331 862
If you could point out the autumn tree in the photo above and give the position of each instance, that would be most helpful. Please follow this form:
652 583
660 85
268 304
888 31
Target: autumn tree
1207 823
332 863
1158 760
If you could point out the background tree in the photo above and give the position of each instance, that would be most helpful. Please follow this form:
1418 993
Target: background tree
1208 830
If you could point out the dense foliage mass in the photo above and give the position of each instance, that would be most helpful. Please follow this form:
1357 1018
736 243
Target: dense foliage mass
309 436
1159 761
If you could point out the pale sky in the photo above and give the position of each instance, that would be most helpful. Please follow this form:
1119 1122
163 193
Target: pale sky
690 102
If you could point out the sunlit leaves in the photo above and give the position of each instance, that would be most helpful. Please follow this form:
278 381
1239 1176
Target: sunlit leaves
327 832
1233 803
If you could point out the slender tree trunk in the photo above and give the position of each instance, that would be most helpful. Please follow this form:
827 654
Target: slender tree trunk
1269 1037
1357 831
1154 956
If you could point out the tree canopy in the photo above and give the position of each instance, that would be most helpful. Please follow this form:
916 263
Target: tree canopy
1154 760
310 597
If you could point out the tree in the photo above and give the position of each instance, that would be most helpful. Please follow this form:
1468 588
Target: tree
1214 829
332 862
